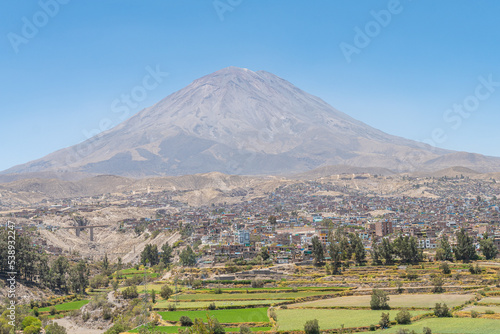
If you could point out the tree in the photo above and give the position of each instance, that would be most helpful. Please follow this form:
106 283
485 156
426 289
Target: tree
130 292
187 257
445 268
186 321
318 253
58 273
105 262
335 255
384 320
444 252
166 253
465 249
272 220
406 248
441 311
166 292
79 277
153 296
386 251
403 317
379 300
311 327
150 255
358 248
438 283
264 253
488 247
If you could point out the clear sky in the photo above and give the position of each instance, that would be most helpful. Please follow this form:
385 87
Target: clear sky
421 69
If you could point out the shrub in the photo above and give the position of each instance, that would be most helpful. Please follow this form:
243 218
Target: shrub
106 313
441 311
379 300
166 292
474 314
403 317
31 321
311 327
53 310
272 314
36 313
186 321
384 320
211 306
171 307
55 328
85 316
244 329
445 268
427 330
489 312
438 283
257 283
373 328
218 291
130 292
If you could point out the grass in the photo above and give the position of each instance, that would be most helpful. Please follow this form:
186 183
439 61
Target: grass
490 300
75 305
451 326
224 316
204 304
294 319
252 296
395 301
482 309
175 329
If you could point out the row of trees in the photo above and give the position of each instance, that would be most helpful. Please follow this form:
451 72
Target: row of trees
33 265
404 248
465 250
151 256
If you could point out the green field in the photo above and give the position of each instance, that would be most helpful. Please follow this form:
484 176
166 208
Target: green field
483 308
328 319
204 304
395 301
452 326
75 305
224 316
254 296
490 300
175 329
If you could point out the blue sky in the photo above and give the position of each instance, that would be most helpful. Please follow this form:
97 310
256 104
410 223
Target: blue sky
399 66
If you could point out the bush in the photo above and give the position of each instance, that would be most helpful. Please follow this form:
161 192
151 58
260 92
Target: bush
272 314
186 321
55 328
489 312
36 313
244 329
311 327
373 328
441 311
384 320
30 321
403 317
166 292
427 330
445 268
106 313
474 314
257 283
218 291
211 306
379 300
85 316
130 292
438 283
53 310
171 307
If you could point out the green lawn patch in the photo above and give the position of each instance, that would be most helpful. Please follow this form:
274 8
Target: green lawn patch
294 319
75 305
395 301
224 316
452 326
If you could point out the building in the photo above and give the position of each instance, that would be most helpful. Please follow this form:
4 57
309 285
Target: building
383 228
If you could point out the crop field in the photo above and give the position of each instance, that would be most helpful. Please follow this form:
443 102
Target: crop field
254 296
483 308
490 300
175 329
451 326
204 304
224 316
75 305
328 319
395 301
